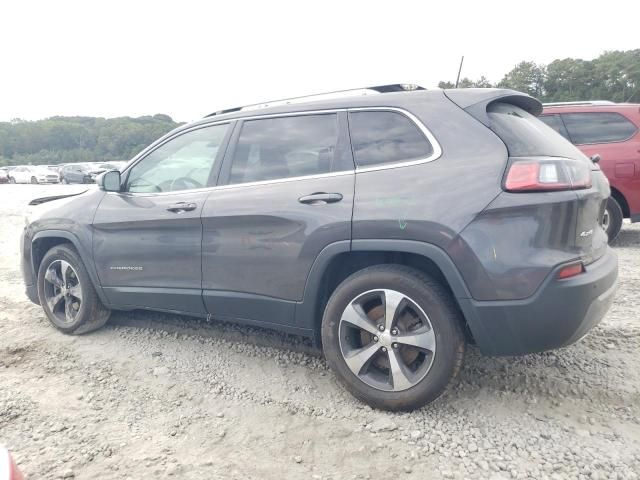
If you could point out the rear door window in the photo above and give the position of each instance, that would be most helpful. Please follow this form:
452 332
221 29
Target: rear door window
285 147
381 137
525 135
598 127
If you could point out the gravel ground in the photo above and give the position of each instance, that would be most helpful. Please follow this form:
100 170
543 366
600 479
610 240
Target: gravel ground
155 396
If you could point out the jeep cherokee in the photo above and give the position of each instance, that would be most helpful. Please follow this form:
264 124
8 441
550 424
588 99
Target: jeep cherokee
391 228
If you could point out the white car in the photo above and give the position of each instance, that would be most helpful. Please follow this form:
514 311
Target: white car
31 174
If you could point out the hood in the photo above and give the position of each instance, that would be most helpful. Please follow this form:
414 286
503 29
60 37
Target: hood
41 200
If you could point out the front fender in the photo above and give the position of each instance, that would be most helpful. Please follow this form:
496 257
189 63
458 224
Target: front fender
85 255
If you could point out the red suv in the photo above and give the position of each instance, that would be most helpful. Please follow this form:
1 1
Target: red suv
612 131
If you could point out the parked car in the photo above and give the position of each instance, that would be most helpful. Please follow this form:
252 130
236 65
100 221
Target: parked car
389 228
611 131
4 176
99 168
32 174
8 468
76 173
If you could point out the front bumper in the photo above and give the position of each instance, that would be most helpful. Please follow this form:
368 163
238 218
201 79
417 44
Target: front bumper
558 314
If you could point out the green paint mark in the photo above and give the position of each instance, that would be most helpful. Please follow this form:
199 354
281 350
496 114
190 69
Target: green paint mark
402 223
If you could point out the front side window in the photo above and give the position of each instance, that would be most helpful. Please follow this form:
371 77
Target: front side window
284 147
598 127
182 163
380 137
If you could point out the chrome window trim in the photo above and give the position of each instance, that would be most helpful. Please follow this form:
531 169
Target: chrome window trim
437 150
238 185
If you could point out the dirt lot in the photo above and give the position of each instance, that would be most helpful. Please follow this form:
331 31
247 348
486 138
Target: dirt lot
154 396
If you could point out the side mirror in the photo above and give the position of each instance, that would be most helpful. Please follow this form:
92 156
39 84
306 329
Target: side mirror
595 158
110 181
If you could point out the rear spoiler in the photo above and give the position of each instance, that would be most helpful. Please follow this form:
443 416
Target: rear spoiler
476 100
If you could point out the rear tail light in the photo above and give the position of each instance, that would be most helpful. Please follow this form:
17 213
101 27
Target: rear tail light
570 271
547 174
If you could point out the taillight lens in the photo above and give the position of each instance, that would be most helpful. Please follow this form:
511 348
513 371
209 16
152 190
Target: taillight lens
570 271
547 174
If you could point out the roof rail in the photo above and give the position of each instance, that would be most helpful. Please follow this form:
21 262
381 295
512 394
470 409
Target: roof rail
396 87
585 102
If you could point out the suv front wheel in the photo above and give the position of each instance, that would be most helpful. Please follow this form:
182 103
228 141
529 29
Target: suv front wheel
66 293
393 337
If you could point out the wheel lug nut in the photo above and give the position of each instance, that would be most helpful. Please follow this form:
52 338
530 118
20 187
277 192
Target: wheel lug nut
394 331
384 349
395 345
381 328
375 338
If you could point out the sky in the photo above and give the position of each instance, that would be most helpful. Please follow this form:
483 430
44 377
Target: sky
189 58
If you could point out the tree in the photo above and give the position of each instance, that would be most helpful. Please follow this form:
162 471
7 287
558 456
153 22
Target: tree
78 139
526 77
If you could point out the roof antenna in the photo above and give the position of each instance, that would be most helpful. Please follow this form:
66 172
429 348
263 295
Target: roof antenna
459 70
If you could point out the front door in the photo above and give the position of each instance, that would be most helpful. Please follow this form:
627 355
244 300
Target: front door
286 192
147 239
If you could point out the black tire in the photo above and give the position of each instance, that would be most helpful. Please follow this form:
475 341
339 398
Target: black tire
34 180
443 314
92 314
615 217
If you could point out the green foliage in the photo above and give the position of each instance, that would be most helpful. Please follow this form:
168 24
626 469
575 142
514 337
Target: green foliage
78 139
614 76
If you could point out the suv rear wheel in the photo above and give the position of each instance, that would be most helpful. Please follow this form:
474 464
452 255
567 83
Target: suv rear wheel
612 219
66 293
393 337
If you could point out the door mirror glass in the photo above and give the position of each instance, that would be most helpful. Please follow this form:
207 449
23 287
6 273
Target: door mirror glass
110 181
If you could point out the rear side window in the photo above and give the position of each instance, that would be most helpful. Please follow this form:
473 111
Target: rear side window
525 135
380 137
598 127
555 122
284 147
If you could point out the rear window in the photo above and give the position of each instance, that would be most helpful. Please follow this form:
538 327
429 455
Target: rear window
598 127
525 135
380 137
555 122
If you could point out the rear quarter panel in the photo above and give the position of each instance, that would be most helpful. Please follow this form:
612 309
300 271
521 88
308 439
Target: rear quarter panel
432 202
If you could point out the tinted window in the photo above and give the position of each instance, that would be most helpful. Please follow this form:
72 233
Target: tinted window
273 148
525 135
598 127
555 122
386 137
183 163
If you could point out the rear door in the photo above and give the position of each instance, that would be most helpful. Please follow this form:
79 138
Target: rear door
148 238
285 193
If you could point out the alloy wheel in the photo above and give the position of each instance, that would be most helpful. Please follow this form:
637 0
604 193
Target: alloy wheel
606 219
62 291
387 340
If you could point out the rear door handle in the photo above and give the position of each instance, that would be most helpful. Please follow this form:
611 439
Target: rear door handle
320 198
182 207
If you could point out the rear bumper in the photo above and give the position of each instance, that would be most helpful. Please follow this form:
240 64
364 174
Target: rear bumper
558 314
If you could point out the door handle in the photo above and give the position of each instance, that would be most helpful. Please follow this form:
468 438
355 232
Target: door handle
320 198
182 207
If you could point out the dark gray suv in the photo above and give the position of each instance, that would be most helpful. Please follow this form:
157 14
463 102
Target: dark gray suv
391 228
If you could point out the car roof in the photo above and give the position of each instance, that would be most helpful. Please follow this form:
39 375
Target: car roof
612 107
464 97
